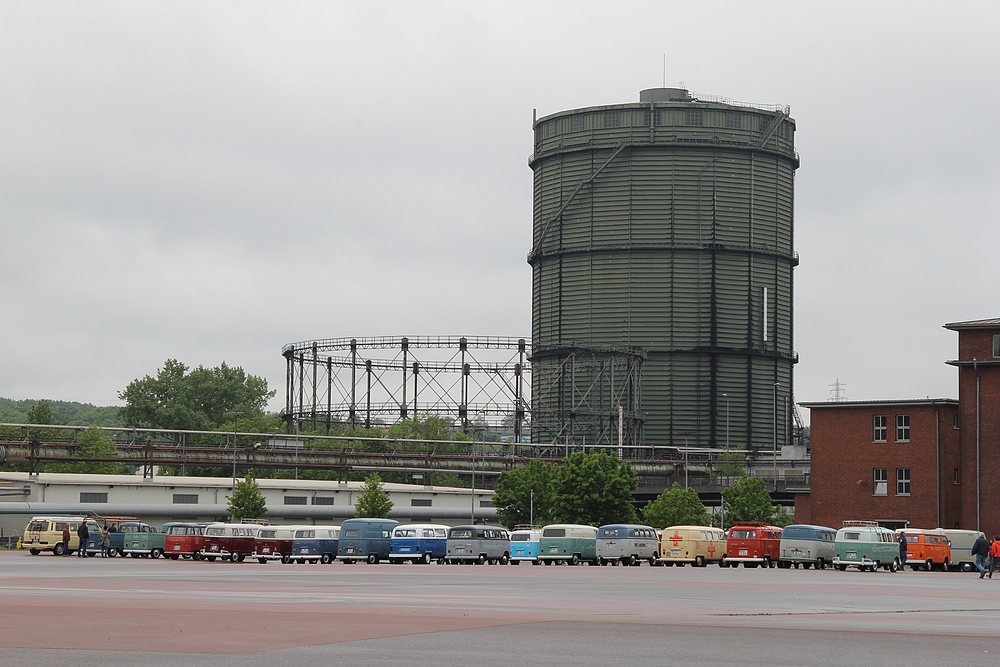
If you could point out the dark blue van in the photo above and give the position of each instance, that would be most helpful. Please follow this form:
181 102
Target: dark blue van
365 539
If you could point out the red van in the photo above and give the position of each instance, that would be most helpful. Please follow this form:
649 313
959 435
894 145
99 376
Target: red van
753 543
183 539
274 543
230 541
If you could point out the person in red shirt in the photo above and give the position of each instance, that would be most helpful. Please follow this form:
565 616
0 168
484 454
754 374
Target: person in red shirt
994 555
65 537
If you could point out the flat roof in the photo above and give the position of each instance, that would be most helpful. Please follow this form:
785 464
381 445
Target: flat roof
993 323
878 403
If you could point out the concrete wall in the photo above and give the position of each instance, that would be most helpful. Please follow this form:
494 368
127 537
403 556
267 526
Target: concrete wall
170 499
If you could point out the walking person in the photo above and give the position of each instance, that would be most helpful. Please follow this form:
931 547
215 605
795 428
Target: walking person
65 537
902 549
105 541
981 550
84 533
994 555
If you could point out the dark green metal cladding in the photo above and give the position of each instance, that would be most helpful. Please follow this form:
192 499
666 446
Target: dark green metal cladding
667 225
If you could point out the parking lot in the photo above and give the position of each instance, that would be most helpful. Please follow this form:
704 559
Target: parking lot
158 612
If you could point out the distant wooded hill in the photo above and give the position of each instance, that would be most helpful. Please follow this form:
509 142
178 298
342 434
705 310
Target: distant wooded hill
63 412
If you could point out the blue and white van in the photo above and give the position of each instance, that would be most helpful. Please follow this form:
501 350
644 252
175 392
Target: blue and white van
808 546
365 539
316 544
524 545
418 543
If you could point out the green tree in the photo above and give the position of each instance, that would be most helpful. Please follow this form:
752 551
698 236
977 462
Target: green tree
426 427
197 400
748 500
373 502
676 507
41 413
517 490
247 502
594 489
92 443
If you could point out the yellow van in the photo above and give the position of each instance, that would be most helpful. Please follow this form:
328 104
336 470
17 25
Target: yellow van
44 533
699 545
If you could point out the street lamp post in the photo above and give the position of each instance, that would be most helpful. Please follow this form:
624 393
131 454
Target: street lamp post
685 434
722 491
235 415
774 455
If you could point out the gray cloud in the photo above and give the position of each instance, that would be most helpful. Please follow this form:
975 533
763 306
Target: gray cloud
210 181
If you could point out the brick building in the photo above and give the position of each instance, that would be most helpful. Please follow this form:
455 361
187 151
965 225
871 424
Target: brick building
978 366
895 462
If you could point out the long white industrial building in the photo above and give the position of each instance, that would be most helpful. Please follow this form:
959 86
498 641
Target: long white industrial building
203 499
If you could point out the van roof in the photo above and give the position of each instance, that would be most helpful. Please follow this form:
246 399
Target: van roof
695 528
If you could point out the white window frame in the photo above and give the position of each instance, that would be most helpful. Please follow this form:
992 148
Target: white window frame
902 481
902 428
880 426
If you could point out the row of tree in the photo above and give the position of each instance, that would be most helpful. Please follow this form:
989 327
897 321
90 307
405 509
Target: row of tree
596 489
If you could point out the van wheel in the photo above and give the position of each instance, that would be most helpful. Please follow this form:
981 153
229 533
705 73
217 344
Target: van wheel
820 565
59 549
875 566
286 559
944 565
503 559
156 553
930 565
767 562
894 566
34 552
575 560
441 561
723 562
325 559
197 555
480 560
372 559
699 561
633 560
234 557
653 559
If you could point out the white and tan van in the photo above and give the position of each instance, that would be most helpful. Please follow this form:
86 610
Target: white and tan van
44 533
698 545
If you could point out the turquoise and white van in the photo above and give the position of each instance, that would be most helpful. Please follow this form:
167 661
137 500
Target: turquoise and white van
867 546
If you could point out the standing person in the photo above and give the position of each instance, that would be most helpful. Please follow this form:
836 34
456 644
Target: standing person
981 550
902 549
65 537
84 533
994 554
105 540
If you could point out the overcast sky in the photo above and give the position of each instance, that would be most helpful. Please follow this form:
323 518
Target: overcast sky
210 181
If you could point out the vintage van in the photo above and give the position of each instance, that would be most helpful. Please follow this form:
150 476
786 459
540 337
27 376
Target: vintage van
961 542
273 543
628 544
230 541
44 533
753 543
866 545
806 545
524 544
698 545
316 543
568 543
418 543
137 539
365 539
183 540
478 544
926 549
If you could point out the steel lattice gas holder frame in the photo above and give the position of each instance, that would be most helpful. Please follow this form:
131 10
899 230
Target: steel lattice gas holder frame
477 382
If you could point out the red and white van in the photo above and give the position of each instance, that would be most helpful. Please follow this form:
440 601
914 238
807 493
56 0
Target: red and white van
230 541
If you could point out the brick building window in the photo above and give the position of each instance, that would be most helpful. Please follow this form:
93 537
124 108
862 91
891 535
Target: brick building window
902 481
902 428
954 421
955 479
879 428
996 346
881 482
